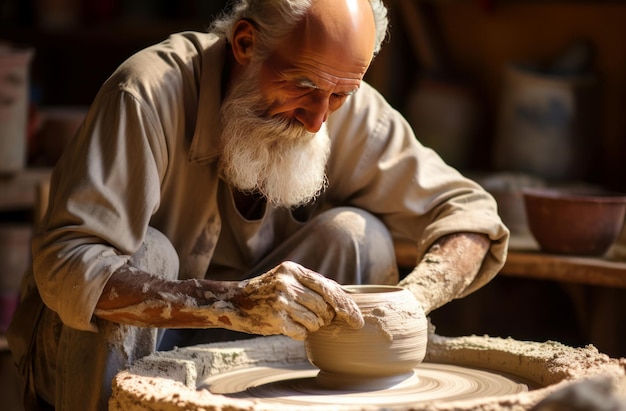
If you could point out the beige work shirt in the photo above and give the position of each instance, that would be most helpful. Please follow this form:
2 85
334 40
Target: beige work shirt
146 156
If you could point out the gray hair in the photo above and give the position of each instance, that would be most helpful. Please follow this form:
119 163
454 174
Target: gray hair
276 18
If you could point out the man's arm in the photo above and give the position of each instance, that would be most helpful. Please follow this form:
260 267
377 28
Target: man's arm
289 299
447 269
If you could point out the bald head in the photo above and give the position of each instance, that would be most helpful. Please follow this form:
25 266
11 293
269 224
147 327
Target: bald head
344 28
344 24
277 18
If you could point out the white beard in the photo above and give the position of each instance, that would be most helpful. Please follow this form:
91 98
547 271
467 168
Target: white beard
275 157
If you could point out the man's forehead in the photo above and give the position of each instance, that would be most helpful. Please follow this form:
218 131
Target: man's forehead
308 68
346 89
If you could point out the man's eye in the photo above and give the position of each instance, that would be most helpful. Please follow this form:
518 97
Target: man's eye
338 98
301 89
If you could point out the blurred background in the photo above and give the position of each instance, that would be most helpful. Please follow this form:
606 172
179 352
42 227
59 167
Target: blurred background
515 93
447 65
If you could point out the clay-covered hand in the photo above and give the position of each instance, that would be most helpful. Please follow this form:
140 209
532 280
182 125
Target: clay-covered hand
290 300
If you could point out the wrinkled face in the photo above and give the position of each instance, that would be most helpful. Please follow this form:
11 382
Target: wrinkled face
316 68
271 155
274 138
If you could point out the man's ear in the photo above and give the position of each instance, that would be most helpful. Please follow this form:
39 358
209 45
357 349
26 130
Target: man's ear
243 41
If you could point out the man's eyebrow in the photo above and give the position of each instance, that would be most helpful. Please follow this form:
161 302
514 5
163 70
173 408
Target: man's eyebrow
306 82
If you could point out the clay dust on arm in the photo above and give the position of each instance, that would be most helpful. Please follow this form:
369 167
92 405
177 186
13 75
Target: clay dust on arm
289 300
447 269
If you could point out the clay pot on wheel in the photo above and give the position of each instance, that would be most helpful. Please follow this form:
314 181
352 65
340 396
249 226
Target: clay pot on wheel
382 353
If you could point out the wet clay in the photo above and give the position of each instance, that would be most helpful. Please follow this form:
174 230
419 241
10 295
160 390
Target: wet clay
381 353
181 379
299 386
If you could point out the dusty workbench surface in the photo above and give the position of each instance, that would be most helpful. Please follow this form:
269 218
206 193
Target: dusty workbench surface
574 269
525 260
20 190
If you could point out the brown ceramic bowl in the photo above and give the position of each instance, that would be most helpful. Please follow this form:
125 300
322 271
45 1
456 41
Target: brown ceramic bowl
579 222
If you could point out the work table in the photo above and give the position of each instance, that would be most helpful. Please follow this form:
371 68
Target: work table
20 191
526 261
573 269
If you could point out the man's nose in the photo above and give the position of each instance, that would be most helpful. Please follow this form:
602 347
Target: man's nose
313 114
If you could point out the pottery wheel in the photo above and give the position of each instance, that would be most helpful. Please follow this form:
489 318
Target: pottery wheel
296 384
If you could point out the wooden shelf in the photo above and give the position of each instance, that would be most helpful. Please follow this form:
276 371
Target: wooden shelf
19 191
573 269
537 265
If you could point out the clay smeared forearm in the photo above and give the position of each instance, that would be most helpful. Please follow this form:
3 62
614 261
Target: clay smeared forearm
289 300
447 269
138 298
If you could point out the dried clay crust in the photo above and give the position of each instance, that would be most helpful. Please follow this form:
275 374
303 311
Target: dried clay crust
167 381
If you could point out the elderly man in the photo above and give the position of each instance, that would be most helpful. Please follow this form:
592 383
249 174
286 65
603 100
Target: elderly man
232 180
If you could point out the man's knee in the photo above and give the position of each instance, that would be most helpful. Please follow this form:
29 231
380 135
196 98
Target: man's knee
156 256
360 236
348 224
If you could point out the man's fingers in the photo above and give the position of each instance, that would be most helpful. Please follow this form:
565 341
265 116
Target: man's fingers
294 330
310 320
345 308
351 316
312 302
